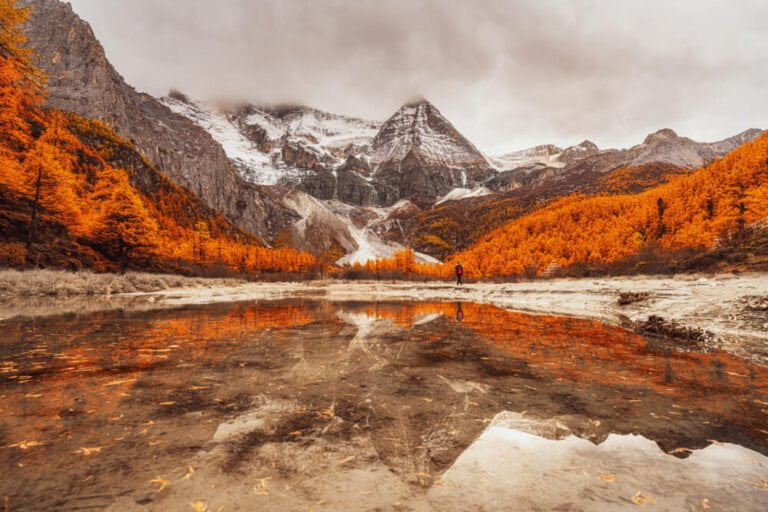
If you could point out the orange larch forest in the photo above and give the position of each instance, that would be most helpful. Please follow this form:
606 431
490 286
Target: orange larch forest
63 204
688 214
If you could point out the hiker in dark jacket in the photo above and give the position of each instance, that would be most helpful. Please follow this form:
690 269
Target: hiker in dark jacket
459 273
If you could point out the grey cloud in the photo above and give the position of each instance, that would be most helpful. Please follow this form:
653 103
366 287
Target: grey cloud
508 73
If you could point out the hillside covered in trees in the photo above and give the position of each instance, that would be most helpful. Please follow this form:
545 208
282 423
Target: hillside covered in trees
687 215
711 218
73 194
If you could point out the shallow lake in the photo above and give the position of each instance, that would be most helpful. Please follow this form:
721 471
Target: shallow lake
311 405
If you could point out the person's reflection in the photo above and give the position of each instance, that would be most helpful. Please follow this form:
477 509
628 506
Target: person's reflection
459 313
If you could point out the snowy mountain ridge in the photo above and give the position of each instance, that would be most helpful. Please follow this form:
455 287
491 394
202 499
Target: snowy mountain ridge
547 154
420 126
255 140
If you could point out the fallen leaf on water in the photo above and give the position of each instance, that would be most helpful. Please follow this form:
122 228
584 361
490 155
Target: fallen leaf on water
263 481
199 506
189 472
89 451
607 477
25 445
705 503
161 482
642 500
118 382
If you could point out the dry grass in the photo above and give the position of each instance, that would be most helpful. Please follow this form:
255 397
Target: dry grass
60 283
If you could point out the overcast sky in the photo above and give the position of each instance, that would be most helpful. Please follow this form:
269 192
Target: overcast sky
508 74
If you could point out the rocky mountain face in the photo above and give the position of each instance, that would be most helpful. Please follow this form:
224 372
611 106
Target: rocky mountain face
416 154
456 224
81 80
545 154
295 146
584 163
419 155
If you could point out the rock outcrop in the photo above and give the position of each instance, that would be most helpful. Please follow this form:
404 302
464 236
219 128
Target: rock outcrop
419 155
81 80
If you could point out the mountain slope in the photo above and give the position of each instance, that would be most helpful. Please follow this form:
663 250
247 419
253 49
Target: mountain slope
547 154
688 213
81 80
419 155
81 197
278 145
416 154
456 225
77 195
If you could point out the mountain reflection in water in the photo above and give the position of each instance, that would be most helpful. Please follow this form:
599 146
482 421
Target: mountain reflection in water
100 405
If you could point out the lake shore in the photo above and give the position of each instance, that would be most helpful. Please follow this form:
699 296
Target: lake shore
728 309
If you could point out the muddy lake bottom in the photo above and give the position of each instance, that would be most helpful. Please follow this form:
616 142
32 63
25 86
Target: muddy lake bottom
318 405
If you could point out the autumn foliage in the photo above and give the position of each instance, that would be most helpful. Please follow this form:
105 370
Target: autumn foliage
73 184
402 264
689 212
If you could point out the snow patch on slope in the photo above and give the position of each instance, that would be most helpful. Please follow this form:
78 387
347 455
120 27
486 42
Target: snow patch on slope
410 128
328 135
545 154
370 245
464 193
256 166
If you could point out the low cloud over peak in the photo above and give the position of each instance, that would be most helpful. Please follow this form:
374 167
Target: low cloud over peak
507 74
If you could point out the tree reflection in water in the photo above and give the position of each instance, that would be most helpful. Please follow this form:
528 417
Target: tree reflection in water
140 393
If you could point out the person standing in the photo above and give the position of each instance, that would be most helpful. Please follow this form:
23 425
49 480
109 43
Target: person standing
459 272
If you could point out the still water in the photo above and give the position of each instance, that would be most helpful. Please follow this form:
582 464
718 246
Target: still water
309 405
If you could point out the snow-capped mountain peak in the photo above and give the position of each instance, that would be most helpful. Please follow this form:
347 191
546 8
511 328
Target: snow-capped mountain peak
278 145
419 126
